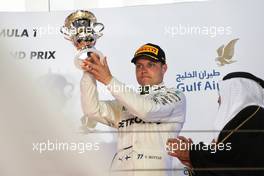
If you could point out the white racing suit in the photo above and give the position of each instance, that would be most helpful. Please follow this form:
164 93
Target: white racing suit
144 123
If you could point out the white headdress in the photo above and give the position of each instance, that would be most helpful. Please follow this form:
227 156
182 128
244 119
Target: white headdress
237 92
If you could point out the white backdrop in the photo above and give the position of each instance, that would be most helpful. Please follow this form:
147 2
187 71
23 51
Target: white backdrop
190 34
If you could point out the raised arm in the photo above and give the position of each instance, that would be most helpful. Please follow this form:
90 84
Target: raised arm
162 107
106 112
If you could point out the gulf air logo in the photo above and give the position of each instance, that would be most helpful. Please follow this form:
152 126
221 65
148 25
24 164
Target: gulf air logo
226 53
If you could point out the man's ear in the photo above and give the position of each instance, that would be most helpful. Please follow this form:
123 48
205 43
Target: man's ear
164 68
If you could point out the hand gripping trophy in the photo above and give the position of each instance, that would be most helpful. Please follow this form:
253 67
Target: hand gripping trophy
82 29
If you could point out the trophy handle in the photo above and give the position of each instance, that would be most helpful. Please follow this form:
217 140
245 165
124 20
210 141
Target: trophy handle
78 60
98 28
64 31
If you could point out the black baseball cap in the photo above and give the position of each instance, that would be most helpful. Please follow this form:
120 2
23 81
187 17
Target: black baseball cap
151 51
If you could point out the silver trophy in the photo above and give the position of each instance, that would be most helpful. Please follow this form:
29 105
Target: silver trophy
83 30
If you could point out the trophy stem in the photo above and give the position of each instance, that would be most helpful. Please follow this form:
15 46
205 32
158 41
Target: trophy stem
83 54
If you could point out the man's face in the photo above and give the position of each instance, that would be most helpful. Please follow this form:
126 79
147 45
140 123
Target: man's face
149 72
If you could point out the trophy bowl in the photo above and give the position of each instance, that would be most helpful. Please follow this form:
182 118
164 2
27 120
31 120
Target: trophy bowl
83 30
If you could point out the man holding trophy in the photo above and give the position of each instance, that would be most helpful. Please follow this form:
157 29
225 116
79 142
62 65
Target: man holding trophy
145 119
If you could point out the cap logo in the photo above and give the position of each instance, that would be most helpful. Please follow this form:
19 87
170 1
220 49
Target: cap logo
147 48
